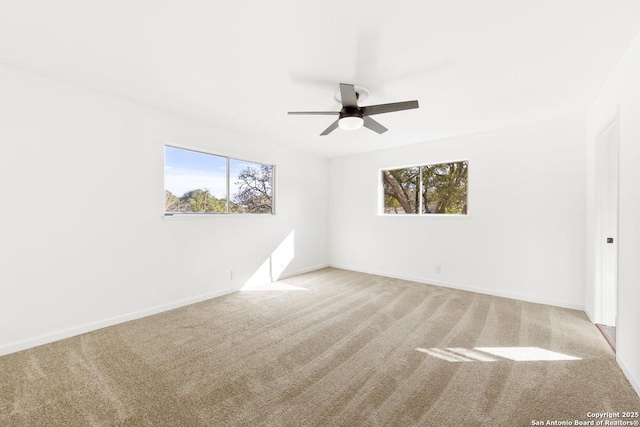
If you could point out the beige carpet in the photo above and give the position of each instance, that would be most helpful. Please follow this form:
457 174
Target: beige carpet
350 350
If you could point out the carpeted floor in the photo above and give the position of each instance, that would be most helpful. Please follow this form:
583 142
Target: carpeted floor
332 348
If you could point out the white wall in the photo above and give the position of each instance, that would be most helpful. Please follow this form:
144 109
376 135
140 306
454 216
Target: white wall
523 238
83 242
621 93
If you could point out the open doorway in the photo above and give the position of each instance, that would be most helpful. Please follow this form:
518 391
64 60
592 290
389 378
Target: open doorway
607 231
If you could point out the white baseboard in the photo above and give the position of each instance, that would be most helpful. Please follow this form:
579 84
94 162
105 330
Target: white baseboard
546 301
589 315
633 380
304 270
67 333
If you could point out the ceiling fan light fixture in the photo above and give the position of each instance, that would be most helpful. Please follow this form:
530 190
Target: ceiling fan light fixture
351 123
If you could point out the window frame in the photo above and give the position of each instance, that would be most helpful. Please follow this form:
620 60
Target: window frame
228 159
381 212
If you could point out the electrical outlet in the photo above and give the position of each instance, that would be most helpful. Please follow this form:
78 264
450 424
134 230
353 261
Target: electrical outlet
438 269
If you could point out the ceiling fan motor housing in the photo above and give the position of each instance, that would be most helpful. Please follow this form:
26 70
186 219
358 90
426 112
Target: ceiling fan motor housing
350 112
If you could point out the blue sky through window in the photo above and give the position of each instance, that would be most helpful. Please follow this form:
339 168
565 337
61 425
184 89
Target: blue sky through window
186 170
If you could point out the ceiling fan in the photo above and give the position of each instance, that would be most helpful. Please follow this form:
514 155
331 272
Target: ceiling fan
352 117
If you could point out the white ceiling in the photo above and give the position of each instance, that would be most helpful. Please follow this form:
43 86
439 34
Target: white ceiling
473 65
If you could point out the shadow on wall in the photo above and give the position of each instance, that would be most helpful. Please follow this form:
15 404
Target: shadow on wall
272 268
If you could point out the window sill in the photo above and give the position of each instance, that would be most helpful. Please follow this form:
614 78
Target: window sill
216 215
439 216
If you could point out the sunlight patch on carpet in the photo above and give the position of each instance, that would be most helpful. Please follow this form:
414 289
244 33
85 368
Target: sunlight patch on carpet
495 354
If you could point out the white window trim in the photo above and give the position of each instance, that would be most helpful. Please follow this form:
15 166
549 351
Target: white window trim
185 215
380 211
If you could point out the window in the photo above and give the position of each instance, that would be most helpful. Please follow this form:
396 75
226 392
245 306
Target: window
430 189
251 187
203 183
401 190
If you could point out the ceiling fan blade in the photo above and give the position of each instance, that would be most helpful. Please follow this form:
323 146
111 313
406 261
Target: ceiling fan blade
331 128
373 125
388 108
348 95
313 113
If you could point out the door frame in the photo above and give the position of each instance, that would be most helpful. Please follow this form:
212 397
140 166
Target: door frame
602 169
